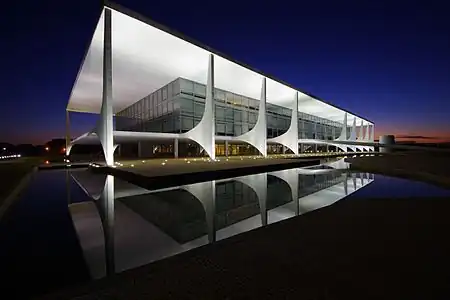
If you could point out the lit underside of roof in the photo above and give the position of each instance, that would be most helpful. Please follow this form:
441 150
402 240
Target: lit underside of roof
145 58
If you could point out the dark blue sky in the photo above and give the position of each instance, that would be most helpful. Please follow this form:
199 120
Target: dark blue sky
389 62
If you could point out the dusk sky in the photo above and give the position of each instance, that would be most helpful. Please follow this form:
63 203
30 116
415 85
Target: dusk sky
387 61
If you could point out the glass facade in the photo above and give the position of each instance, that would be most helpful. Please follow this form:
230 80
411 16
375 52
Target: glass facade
178 107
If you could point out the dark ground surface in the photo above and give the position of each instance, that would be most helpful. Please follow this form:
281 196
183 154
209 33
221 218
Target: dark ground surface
356 248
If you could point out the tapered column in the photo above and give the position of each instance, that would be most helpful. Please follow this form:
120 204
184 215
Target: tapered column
226 148
204 132
68 138
105 126
289 139
257 137
361 132
343 136
353 131
175 148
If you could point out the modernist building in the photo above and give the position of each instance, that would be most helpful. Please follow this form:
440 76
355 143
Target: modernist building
157 87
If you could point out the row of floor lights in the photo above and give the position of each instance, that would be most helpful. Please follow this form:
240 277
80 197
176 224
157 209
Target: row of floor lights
10 156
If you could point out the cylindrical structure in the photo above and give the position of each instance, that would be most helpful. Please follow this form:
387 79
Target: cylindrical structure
386 140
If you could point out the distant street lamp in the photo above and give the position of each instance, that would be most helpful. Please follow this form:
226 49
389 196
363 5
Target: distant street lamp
47 148
4 149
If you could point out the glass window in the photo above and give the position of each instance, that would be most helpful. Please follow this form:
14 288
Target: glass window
219 95
229 97
237 100
176 87
186 85
164 93
229 129
158 97
253 104
199 89
245 128
198 109
220 128
252 117
237 115
237 130
187 105
159 110
220 113
187 123
229 114
244 101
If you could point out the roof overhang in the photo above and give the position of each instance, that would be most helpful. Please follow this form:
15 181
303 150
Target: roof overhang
147 56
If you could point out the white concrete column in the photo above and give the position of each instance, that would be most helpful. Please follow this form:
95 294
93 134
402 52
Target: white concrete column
343 136
353 131
289 139
175 148
257 137
68 138
284 149
226 148
105 125
367 136
204 132
361 132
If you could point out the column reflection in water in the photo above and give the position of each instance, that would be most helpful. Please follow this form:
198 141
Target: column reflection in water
258 183
152 225
205 192
107 216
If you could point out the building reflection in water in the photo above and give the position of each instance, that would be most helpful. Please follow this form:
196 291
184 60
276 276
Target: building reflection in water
127 226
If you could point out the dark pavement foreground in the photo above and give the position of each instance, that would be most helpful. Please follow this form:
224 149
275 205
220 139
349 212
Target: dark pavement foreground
356 248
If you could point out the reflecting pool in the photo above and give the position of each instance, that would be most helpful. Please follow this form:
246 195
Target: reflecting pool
74 226
125 226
